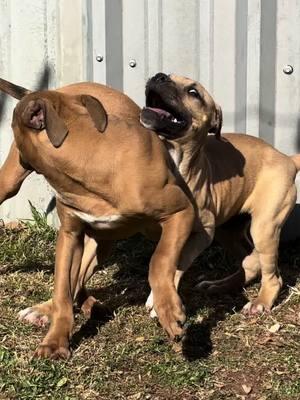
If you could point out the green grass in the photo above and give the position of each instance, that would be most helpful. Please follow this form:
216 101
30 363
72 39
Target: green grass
127 356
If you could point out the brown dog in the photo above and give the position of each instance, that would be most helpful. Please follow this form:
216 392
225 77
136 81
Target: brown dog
88 157
235 175
13 172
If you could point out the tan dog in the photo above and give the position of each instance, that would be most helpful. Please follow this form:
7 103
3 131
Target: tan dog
113 179
13 172
238 174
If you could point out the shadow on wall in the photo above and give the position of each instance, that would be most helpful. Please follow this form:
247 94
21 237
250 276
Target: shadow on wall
2 105
44 78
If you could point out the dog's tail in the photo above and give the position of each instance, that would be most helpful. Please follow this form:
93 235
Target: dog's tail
14 90
296 159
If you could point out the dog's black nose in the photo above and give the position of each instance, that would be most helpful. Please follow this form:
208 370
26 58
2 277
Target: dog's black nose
160 78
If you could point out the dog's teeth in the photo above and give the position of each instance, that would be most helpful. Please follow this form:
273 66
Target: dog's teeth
175 120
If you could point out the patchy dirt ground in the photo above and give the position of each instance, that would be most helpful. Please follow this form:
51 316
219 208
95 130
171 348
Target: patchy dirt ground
123 354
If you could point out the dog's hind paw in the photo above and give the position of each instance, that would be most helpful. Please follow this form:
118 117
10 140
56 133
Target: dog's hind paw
33 317
149 302
149 306
254 309
153 314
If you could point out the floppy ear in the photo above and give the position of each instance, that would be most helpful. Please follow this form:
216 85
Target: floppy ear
40 114
96 111
217 123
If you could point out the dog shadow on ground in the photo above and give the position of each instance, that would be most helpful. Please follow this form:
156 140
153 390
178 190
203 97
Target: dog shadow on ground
131 287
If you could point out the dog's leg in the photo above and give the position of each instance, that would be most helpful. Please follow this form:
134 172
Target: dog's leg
234 238
249 270
265 231
163 265
89 262
40 314
12 174
196 243
267 250
176 230
69 249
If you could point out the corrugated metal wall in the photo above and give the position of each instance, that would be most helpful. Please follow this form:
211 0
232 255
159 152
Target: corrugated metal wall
236 48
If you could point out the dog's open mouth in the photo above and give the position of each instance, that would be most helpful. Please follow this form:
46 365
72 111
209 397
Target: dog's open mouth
163 117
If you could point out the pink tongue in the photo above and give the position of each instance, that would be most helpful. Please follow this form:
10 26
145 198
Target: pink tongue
160 111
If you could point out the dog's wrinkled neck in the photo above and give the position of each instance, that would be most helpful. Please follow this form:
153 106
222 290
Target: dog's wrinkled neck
191 148
187 155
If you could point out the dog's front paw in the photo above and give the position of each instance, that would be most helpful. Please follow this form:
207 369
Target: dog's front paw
171 316
255 308
33 316
54 350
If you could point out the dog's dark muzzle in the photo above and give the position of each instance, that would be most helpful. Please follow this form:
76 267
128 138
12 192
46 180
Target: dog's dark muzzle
160 78
164 111
160 86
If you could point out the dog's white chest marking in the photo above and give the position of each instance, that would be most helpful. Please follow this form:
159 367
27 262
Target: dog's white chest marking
175 156
100 222
173 151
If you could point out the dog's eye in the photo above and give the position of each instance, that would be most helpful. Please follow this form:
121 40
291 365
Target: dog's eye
193 92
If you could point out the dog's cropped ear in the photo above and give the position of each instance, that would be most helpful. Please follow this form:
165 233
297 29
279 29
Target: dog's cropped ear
217 123
40 114
96 111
